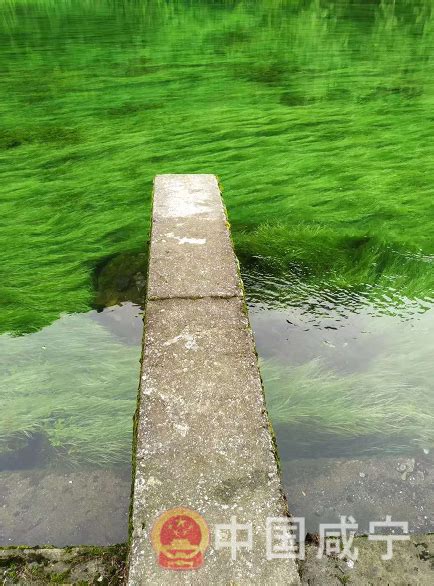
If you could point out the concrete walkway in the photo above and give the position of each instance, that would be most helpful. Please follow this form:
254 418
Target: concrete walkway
203 437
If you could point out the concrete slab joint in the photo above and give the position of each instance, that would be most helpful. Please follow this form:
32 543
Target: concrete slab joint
203 438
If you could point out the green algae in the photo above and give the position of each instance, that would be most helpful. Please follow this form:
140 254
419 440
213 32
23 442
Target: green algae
81 565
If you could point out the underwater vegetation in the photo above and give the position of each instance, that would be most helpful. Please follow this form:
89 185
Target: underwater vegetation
68 390
121 278
361 383
318 119
340 260
385 403
68 394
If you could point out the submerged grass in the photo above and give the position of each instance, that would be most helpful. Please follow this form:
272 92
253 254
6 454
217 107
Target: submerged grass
316 116
391 399
339 258
377 404
73 384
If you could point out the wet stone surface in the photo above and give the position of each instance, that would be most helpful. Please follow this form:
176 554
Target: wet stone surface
64 508
75 565
321 490
412 564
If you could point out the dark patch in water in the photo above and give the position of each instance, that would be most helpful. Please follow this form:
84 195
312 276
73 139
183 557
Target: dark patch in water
12 138
339 94
139 67
133 108
266 73
403 92
120 278
229 38
26 452
304 441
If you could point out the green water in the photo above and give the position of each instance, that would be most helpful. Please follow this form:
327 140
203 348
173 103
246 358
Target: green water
318 119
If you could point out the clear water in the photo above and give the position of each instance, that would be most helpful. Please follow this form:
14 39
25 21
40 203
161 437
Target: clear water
317 117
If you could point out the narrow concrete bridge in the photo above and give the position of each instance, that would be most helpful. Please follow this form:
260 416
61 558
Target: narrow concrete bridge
204 450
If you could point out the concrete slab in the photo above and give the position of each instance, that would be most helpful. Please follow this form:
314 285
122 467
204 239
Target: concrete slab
203 437
190 240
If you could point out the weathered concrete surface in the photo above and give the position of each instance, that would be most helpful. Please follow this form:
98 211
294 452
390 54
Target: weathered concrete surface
203 437
412 564
191 251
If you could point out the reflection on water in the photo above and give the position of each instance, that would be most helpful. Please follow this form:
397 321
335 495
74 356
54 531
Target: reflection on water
124 322
344 375
297 321
60 386
68 394
350 389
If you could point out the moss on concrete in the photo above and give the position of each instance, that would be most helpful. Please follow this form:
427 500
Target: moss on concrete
412 563
70 565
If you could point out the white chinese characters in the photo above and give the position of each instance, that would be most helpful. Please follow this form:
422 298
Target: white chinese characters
337 539
285 537
389 538
230 536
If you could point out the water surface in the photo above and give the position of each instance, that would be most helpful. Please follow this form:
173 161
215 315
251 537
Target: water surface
318 120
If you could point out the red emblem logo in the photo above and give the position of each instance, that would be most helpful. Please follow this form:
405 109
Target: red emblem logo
180 538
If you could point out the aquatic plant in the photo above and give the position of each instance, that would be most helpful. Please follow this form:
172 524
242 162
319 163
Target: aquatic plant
390 400
303 254
74 384
316 119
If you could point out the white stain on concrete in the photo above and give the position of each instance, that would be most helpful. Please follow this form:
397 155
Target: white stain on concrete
189 339
182 208
185 240
185 196
152 481
192 240
181 428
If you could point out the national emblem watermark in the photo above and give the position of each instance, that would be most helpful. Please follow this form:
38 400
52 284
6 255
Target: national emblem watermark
180 538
